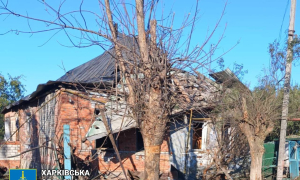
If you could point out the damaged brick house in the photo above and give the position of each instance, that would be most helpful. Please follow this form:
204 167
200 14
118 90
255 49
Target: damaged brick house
34 126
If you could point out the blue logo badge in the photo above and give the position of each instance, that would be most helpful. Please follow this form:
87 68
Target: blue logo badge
22 174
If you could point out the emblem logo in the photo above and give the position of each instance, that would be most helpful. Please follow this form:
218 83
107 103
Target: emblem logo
22 174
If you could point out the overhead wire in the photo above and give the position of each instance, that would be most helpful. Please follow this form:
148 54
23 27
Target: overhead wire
280 32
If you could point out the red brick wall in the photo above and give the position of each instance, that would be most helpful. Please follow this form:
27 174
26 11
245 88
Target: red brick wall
24 136
79 114
10 164
131 161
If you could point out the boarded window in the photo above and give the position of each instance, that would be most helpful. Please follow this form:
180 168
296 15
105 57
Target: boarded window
197 136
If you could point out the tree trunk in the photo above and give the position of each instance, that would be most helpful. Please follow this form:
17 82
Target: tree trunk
256 152
152 159
256 143
153 131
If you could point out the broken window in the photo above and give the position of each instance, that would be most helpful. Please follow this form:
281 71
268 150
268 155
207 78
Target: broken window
17 126
97 112
7 129
104 143
139 140
197 135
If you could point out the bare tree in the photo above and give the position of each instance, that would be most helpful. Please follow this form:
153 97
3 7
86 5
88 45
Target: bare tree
252 115
148 55
258 110
230 154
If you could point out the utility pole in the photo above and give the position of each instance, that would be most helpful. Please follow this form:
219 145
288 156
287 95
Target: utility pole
286 94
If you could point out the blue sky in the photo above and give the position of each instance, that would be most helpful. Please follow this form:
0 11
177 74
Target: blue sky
254 24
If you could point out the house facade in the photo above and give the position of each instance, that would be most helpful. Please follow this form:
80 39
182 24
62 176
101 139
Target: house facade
35 134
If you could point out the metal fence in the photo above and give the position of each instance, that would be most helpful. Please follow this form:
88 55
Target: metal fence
269 163
269 168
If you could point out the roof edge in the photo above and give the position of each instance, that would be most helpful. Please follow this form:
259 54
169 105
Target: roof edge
51 85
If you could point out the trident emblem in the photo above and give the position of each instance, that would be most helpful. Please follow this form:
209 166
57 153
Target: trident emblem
22 178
